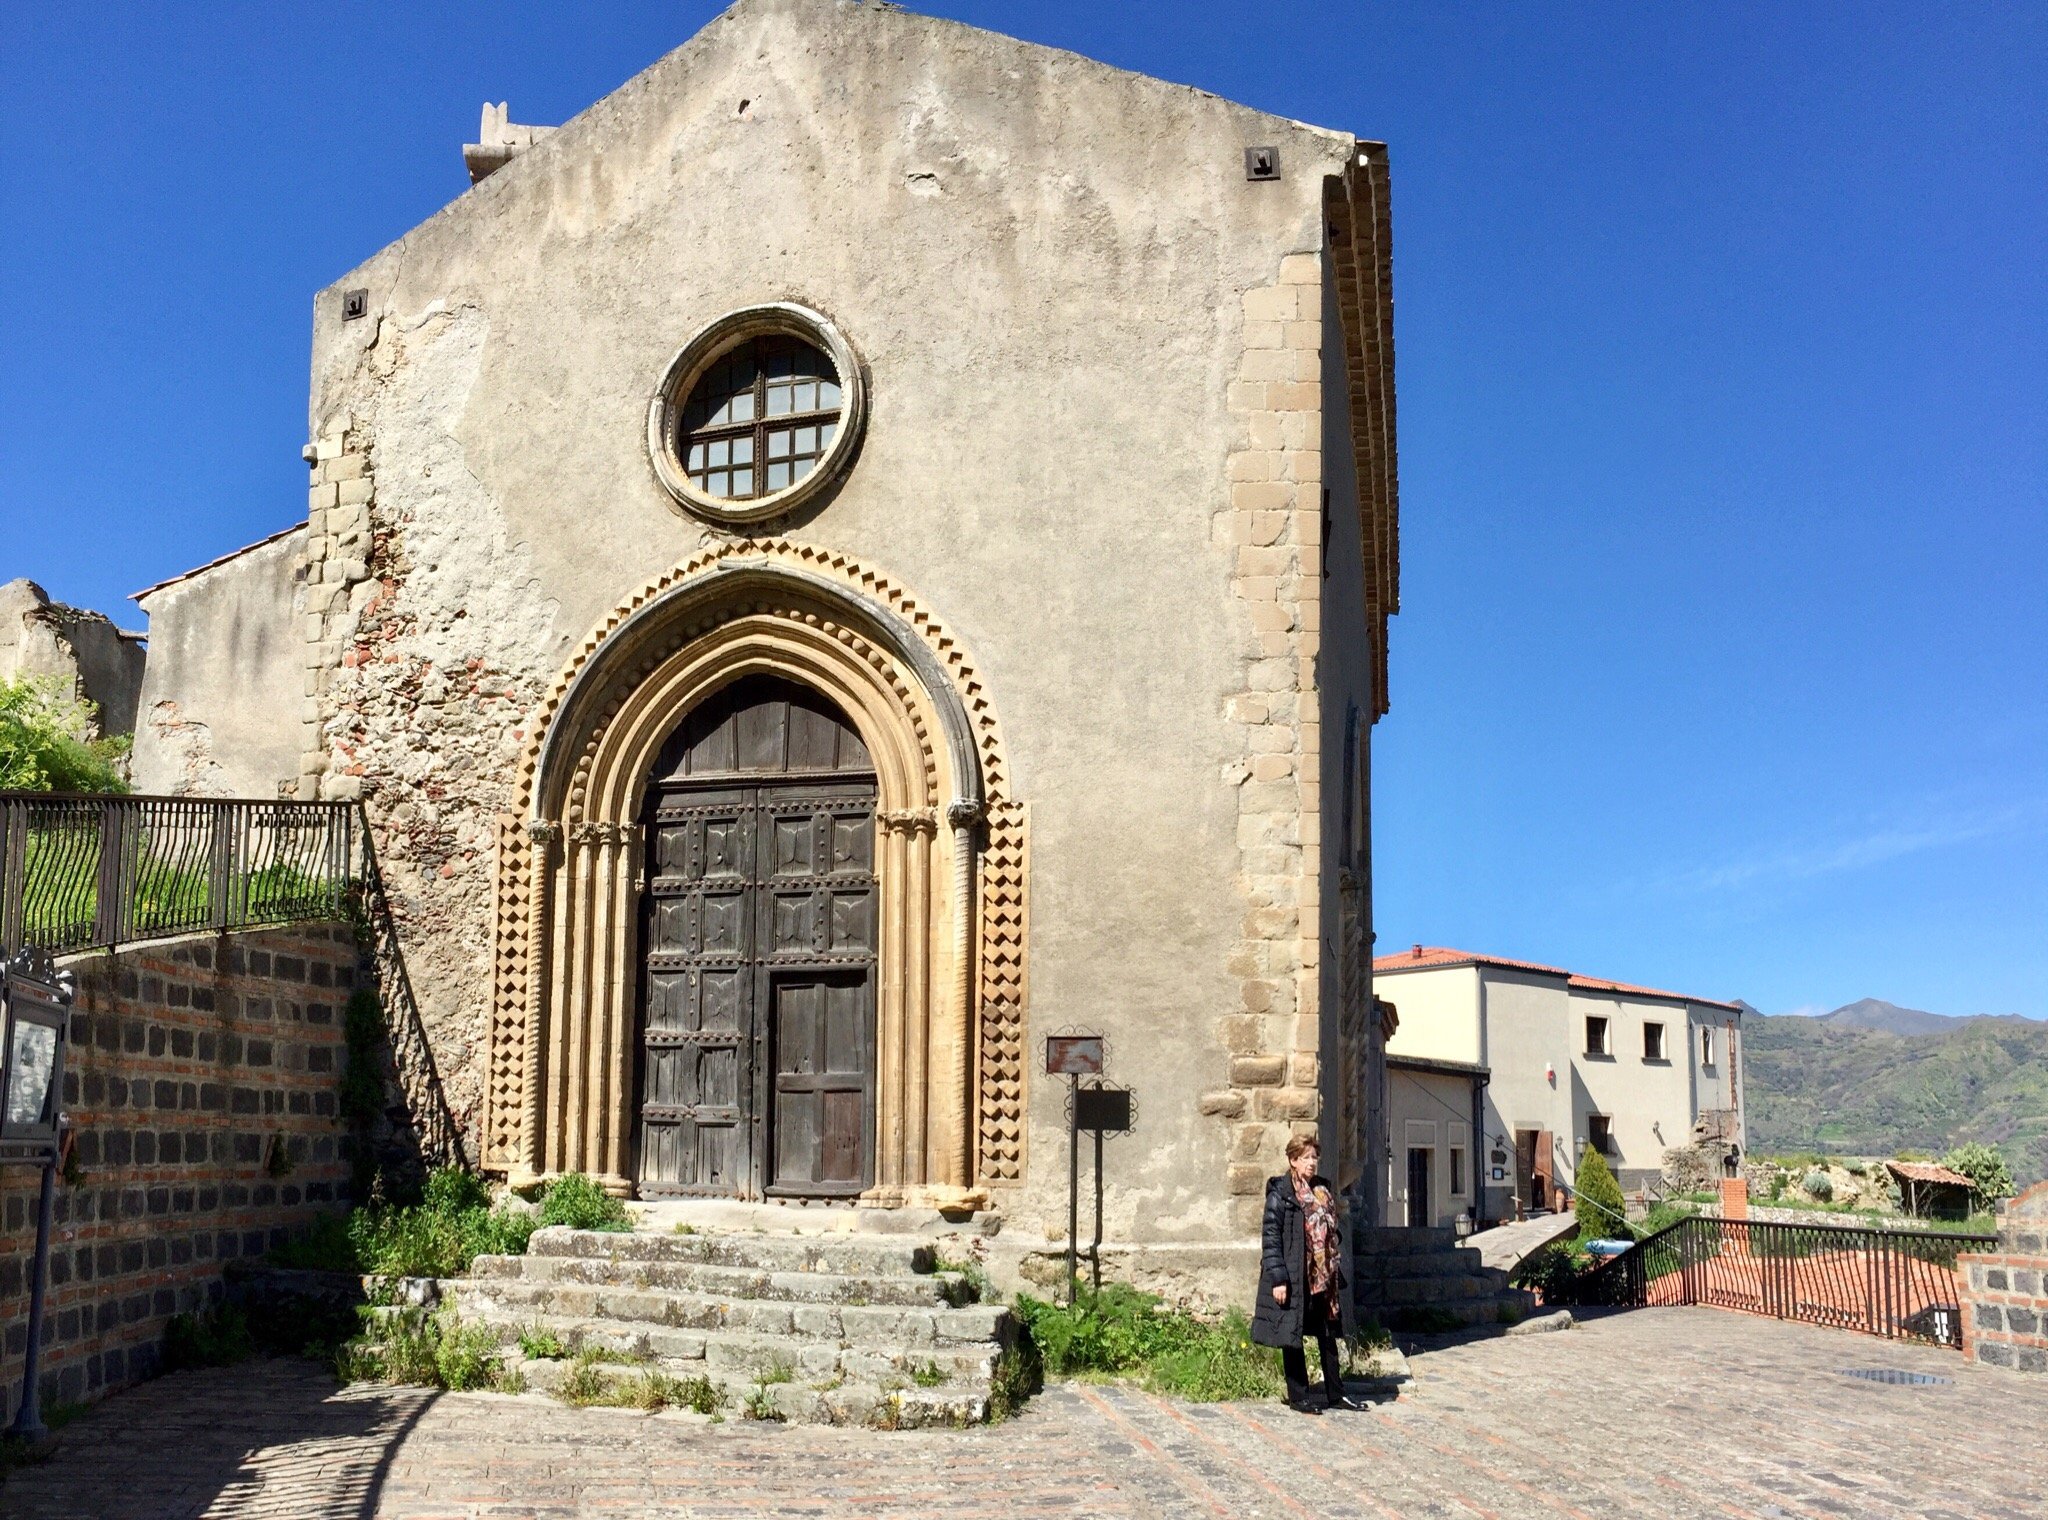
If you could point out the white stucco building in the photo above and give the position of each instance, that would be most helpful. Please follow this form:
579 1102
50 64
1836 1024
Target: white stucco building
1543 1062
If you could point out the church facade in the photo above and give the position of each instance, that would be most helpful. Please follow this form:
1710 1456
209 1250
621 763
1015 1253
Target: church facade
869 547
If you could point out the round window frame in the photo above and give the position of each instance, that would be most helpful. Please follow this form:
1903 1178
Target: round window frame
711 343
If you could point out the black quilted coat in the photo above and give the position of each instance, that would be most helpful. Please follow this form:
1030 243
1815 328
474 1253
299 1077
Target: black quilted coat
1285 1260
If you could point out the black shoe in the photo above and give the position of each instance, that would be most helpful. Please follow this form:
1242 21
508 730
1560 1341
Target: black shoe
1303 1406
1346 1401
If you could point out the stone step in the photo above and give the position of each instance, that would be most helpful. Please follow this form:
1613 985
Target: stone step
681 1309
1415 1263
748 1355
831 1401
1385 1239
1428 1290
928 1290
1503 1309
840 1255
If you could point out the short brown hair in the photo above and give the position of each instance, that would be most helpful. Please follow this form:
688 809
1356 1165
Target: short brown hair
1301 1143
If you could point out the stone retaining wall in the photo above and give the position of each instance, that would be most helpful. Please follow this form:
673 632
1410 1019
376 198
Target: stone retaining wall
2005 1292
203 1082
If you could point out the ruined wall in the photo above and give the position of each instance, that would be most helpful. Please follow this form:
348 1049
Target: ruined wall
202 1079
224 704
1044 265
46 638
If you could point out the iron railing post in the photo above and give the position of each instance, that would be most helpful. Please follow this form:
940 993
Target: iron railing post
13 874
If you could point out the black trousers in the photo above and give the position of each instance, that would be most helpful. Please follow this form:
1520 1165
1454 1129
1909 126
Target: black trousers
1315 1321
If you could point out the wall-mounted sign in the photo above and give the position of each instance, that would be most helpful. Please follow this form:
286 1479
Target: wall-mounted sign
1073 1055
1102 1109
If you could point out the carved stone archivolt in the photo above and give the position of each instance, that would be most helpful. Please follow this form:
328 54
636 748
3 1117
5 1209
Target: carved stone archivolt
950 862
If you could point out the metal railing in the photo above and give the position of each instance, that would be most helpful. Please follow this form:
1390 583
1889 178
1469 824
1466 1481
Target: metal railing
1899 1284
81 872
89 872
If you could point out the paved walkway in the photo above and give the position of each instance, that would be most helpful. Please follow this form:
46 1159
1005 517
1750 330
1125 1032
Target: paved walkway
1662 1412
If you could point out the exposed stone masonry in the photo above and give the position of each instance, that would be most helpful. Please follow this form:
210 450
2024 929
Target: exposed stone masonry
1273 526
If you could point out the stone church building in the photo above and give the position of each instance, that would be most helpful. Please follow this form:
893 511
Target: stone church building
868 547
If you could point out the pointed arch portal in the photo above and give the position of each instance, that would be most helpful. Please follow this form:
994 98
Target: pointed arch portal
615 924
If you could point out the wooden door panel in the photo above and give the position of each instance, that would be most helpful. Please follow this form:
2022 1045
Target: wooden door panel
696 1024
757 1043
823 1054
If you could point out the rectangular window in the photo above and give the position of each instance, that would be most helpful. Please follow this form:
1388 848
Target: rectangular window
1600 1133
1457 1171
1706 1047
1653 1042
1596 1036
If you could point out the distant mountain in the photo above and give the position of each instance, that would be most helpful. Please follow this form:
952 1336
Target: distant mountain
1888 1018
1872 1078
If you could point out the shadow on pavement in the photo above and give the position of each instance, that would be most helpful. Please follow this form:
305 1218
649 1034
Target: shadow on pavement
268 1438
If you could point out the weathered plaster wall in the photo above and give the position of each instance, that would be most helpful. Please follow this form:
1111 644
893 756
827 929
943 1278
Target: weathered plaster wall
224 709
46 638
1044 264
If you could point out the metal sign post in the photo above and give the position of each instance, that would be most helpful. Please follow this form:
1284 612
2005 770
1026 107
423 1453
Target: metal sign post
35 1023
1073 1055
1103 1109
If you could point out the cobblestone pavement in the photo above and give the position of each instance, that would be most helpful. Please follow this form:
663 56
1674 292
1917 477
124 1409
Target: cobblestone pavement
1663 1412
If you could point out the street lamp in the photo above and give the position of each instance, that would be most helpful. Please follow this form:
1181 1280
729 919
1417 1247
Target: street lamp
35 1017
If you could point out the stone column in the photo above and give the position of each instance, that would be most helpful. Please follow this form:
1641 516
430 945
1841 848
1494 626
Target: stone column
534 1069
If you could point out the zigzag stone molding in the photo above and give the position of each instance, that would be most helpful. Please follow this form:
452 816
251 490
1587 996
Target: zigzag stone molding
513 1087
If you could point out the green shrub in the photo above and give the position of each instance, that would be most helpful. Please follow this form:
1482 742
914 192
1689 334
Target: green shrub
430 1351
216 1337
581 1204
49 740
440 1236
760 1404
1123 1332
1548 1271
540 1345
466 1358
1817 1185
929 1375
327 1246
1990 1178
1597 1200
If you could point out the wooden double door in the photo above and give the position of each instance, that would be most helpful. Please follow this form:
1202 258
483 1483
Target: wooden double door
757 1039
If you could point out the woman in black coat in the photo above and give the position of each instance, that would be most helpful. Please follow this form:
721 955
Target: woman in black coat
1302 1286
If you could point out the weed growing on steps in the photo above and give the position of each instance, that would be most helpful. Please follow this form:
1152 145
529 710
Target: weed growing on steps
973 1287
538 1344
930 1375
780 1370
760 1404
404 1345
1121 1332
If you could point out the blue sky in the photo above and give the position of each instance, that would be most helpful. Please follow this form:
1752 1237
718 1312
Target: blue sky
1723 368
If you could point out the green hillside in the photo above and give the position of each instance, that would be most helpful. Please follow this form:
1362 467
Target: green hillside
1822 1087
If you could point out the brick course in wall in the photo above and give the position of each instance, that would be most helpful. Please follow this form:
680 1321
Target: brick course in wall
2005 1292
191 1063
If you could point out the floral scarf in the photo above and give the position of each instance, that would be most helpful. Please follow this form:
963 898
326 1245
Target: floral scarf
1319 1212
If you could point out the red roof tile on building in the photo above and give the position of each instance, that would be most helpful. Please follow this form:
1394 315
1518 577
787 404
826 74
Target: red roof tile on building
1423 957
1928 1171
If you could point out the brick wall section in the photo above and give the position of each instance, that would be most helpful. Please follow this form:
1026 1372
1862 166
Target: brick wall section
2005 1292
190 1062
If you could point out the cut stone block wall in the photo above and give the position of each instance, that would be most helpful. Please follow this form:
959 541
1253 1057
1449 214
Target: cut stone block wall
2005 1292
192 1064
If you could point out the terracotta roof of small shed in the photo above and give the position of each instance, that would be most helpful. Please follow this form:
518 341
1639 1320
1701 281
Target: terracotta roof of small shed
1928 1171
1425 957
